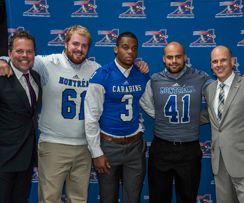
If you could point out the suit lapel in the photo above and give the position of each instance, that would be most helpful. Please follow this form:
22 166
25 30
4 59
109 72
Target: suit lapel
231 95
212 93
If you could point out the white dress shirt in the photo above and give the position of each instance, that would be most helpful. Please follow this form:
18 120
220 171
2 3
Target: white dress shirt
227 83
23 82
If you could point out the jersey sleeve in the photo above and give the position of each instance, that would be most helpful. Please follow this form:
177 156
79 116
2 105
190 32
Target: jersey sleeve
40 67
93 109
99 76
146 100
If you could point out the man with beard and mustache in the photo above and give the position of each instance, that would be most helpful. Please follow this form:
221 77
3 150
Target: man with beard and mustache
63 155
175 95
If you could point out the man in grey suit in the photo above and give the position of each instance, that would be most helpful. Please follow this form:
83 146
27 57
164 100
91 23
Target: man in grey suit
225 99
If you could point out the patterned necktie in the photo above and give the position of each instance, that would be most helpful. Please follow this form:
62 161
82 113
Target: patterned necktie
221 101
31 90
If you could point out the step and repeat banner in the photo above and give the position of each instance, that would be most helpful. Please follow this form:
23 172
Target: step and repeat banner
199 25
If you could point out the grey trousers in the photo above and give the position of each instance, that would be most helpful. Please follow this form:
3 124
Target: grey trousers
228 189
127 168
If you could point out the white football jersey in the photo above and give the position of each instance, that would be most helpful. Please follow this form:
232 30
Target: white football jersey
64 87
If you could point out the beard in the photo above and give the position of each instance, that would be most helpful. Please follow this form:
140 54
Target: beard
75 57
177 69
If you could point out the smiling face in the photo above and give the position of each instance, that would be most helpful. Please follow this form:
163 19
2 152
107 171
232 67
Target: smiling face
174 58
126 51
22 54
222 63
76 48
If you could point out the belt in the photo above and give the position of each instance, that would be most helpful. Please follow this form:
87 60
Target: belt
121 140
175 142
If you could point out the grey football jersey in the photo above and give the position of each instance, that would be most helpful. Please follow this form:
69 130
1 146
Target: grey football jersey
178 104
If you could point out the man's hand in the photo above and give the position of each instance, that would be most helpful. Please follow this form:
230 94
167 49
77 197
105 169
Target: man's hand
101 164
5 70
143 66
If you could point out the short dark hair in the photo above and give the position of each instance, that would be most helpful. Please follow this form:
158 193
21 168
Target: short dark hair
126 34
18 35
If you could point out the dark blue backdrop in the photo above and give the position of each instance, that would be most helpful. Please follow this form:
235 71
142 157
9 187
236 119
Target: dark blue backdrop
199 24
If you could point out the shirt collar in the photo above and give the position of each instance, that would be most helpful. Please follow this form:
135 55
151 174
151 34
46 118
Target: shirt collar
228 81
124 71
17 72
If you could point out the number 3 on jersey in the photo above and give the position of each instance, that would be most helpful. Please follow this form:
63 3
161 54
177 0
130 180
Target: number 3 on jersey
69 105
128 99
171 109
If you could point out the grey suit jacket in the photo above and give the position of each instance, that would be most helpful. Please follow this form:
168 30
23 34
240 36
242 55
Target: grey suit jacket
228 135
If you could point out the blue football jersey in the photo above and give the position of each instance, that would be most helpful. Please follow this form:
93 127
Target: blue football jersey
121 100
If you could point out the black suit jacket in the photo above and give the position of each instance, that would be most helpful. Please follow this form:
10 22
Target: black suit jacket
18 125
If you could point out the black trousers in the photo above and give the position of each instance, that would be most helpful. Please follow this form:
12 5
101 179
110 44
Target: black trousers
15 186
170 163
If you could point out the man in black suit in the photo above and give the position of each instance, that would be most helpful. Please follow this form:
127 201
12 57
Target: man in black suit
20 95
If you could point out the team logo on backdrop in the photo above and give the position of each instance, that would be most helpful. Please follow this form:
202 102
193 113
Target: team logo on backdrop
183 10
59 36
241 43
188 62
157 38
236 65
109 38
206 148
133 10
231 9
37 8
87 8
148 144
93 176
146 197
206 198
11 31
35 175
206 38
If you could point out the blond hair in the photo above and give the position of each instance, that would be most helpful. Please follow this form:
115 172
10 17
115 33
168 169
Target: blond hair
83 31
